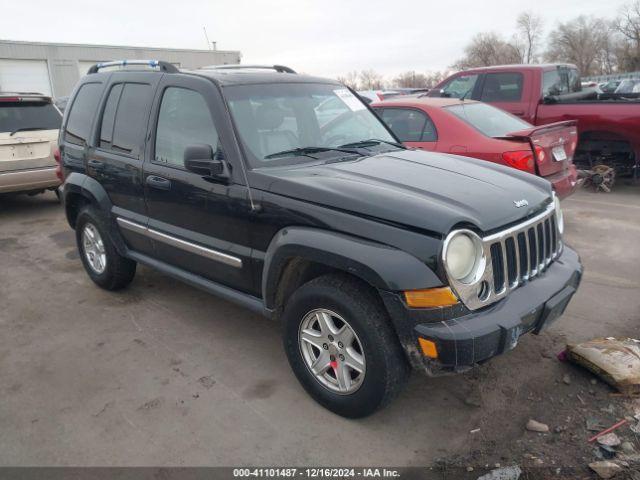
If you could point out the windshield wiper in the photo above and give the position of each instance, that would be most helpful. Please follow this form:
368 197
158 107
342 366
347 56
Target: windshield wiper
371 142
25 129
307 151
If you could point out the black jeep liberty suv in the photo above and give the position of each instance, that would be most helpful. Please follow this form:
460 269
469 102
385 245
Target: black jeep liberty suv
286 194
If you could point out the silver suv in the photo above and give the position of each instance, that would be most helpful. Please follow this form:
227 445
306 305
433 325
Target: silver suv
29 124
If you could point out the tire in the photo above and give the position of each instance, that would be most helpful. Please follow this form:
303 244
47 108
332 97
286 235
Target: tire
385 367
117 271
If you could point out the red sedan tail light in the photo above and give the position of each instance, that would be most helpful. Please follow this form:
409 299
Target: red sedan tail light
59 172
521 159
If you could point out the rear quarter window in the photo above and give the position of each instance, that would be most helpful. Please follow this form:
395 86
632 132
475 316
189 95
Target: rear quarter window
489 120
81 114
16 116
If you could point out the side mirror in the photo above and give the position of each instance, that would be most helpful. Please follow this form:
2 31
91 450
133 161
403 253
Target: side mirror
200 159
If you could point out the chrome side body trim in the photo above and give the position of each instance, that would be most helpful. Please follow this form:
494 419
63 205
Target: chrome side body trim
179 243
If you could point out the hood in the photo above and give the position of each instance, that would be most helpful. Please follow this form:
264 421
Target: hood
424 190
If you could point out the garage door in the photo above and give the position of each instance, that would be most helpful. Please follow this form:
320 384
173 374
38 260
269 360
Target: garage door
24 76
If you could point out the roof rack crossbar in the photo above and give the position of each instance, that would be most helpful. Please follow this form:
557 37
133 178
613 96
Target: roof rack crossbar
161 65
277 68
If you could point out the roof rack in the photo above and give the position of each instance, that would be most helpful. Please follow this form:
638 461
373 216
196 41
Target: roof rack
163 66
277 68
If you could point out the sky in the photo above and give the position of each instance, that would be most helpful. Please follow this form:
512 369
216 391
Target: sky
324 37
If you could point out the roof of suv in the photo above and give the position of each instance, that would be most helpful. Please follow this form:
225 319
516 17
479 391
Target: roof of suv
226 77
242 75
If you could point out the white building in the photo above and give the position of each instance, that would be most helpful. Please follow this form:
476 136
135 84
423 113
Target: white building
54 68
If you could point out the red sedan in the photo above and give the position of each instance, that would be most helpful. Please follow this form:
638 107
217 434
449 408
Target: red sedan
476 129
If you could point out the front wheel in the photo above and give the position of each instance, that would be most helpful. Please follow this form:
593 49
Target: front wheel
341 346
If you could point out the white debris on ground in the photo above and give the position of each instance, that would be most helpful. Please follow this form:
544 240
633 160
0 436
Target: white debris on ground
503 473
605 469
615 360
535 426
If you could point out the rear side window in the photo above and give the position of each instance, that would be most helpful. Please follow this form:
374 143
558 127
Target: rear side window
461 86
81 115
410 125
25 116
489 120
131 118
184 119
502 87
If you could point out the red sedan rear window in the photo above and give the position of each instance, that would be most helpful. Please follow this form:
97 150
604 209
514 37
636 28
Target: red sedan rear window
489 120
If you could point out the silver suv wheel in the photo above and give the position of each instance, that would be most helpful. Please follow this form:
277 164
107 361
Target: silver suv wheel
93 247
332 351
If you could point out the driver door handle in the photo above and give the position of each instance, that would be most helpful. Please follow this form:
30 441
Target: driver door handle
158 182
95 164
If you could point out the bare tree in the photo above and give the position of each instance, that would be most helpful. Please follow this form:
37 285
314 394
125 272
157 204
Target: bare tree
371 80
529 33
581 41
410 80
433 78
488 49
350 79
628 24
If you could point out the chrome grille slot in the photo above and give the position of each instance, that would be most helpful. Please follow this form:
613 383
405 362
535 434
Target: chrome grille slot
512 261
514 256
498 267
523 254
541 251
533 251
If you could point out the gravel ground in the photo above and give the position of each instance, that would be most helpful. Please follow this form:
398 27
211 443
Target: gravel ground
163 374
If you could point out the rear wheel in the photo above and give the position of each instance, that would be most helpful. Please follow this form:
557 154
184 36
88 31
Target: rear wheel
106 267
341 346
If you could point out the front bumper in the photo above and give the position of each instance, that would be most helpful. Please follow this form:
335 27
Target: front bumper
466 338
28 180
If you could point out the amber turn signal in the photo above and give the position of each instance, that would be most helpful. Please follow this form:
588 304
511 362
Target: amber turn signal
428 348
431 297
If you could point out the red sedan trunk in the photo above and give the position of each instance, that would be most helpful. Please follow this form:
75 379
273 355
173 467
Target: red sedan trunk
479 130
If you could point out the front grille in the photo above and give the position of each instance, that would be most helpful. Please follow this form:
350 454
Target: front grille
521 254
512 257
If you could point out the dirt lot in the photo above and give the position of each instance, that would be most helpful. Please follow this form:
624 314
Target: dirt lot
163 374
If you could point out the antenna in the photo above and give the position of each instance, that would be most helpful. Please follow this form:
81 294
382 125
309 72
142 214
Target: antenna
207 38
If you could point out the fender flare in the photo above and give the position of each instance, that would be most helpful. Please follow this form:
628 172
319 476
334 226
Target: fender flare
380 265
89 188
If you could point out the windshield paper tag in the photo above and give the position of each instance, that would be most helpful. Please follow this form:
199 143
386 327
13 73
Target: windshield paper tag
349 99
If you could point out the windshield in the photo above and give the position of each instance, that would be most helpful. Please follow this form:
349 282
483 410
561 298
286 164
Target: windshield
286 124
16 116
491 121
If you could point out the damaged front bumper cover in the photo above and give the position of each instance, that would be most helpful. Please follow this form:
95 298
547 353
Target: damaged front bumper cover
465 338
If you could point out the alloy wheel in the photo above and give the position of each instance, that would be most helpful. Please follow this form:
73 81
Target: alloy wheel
332 351
93 247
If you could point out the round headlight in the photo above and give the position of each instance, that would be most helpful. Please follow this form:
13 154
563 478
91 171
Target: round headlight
559 215
462 256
